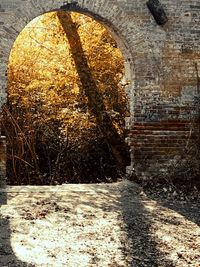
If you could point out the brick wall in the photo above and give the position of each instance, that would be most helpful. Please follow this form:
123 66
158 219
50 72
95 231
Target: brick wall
160 64
2 160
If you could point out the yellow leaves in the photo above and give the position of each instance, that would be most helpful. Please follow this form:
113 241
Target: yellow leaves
42 72
75 90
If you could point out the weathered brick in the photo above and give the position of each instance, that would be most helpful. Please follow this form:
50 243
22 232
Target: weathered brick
160 65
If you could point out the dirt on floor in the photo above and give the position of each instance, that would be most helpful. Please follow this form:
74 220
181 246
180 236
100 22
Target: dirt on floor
115 225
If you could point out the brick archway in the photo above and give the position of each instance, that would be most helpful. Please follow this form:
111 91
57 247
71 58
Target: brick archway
87 10
17 14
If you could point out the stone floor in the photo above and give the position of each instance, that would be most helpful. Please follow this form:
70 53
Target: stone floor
96 225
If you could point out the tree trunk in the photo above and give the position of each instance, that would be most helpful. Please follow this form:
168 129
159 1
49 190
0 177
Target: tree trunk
89 87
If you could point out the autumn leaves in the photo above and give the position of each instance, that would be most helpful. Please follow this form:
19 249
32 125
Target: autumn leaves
64 88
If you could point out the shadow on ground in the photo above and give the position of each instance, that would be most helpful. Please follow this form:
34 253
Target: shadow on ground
186 207
7 255
144 246
105 224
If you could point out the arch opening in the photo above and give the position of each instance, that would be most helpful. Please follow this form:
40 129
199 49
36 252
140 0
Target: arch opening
66 113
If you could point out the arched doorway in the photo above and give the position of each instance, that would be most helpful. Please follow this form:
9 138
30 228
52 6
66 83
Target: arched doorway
95 84
18 17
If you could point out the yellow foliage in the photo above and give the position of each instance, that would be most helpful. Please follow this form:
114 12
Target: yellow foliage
43 79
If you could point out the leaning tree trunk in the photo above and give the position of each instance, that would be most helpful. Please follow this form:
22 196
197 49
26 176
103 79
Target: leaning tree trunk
89 87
